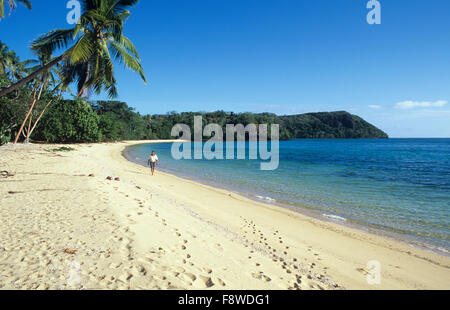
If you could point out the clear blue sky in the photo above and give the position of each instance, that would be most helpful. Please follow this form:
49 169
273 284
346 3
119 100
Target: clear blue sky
280 56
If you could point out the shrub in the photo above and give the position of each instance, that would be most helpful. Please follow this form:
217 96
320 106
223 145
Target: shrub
71 121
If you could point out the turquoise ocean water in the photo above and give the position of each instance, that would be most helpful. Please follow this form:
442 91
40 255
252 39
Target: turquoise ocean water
399 187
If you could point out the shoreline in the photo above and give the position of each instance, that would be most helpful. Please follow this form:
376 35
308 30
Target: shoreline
165 232
307 211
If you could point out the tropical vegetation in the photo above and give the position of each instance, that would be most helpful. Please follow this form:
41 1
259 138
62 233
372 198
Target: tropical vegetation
34 92
86 56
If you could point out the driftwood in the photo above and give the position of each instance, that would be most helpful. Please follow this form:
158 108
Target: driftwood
6 174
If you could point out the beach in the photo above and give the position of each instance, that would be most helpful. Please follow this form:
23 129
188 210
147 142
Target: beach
65 226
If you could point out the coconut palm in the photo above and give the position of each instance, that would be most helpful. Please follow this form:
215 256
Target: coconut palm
5 56
7 59
60 89
90 47
12 6
43 82
10 65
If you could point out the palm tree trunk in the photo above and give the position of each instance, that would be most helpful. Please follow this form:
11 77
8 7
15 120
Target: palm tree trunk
31 77
43 112
40 116
27 139
35 89
29 112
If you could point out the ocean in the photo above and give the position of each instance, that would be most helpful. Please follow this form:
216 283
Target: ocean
396 187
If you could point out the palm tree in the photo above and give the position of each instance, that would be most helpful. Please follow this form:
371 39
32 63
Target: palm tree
10 65
90 47
60 89
7 58
4 57
12 6
41 83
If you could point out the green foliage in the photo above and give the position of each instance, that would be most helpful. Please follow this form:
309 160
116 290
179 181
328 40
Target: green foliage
12 111
110 126
5 134
76 121
71 121
119 122
330 125
92 46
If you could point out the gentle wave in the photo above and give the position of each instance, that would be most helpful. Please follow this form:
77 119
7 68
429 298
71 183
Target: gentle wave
266 198
335 217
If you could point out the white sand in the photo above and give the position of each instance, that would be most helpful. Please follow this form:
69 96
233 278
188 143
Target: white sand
168 233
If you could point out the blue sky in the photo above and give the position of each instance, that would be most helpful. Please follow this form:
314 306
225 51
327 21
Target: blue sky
280 56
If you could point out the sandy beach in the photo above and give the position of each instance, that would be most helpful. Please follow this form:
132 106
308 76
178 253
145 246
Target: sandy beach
63 229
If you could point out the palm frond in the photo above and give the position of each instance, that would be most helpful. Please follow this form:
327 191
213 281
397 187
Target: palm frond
127 59
26 3
83 49
55 39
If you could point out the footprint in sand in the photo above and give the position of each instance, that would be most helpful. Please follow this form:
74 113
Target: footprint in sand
261 276
220 282
142 271
190 276
207 281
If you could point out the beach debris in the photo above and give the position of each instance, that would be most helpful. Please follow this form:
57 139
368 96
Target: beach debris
62 149
363 271
92 175
138 187
117 179
109 178
69 251
6 174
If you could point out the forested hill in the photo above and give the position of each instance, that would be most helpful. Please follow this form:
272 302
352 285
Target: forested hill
67 121
326 125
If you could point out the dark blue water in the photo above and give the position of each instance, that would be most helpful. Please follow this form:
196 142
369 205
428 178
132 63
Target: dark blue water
398 186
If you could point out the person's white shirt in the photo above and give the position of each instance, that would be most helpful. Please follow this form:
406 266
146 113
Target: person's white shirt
154 159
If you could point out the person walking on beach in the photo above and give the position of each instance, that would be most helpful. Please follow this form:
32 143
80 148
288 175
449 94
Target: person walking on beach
153 161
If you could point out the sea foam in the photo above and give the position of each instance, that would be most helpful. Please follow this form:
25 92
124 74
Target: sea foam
335 217
266 198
